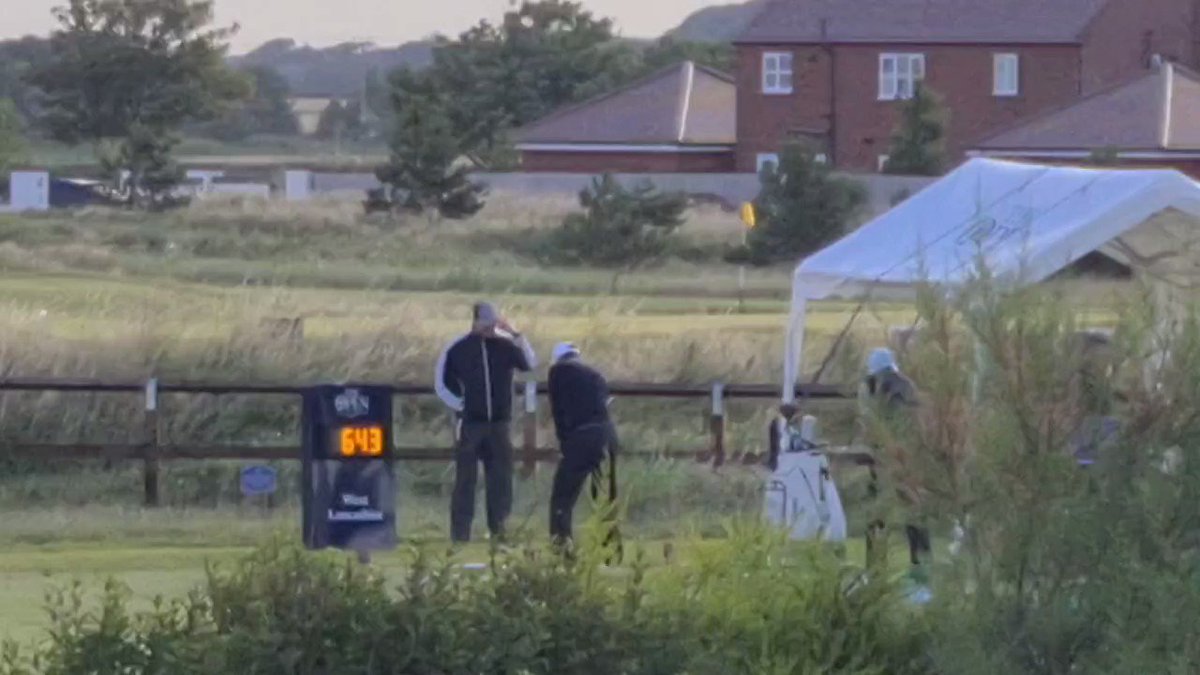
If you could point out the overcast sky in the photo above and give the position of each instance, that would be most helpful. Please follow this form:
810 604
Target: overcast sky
387 22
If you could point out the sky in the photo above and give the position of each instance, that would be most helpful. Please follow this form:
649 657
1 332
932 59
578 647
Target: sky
386 22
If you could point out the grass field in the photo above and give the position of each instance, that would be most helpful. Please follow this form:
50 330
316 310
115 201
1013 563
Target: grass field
188 295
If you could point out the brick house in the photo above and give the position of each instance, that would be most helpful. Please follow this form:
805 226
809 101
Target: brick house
678 120
833 71
1151 120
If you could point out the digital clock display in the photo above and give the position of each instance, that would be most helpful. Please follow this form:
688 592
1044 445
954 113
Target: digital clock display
360 441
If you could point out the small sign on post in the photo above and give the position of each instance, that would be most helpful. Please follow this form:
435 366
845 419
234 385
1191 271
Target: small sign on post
259 483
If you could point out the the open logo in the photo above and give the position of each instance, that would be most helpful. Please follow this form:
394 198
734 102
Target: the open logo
351 403
988 229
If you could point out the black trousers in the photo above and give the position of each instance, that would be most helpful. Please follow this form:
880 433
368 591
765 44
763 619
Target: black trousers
583 452
918 537
489 443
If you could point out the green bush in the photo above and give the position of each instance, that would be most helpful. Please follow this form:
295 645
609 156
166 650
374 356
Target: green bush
1064 569
802 206
751 604
621 228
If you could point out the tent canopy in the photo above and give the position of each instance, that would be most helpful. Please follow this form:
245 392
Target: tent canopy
1023 222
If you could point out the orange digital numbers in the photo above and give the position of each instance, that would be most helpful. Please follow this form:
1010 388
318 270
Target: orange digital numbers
361 442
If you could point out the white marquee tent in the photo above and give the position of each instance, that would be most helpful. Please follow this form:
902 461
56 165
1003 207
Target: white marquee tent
1027 222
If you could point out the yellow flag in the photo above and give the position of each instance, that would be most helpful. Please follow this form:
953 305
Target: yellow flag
748 215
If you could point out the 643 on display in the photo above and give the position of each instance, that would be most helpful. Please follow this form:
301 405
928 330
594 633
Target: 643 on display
349 479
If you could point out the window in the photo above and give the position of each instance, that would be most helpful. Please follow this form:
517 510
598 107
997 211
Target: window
1006 75
881 163
777 73
899 75
821 158
765 158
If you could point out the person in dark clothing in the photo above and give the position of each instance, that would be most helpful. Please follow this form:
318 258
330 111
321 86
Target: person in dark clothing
474 378
579 400
893 392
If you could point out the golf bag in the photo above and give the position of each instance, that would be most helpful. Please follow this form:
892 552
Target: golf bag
800 493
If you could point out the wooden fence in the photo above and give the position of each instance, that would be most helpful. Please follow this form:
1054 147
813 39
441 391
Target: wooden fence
153 448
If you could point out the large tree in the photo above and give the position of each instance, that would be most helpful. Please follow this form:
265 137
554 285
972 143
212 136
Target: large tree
540 56
125 75
919 142
17 59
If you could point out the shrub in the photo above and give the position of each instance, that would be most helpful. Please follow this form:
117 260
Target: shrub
748 604
918 145
621 228
1064 569
802 206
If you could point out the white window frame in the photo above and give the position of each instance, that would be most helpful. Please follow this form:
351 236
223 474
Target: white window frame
777 73
899 74
764 158
1006 74
881 162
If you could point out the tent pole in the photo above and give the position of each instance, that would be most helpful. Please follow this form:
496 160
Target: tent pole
793 350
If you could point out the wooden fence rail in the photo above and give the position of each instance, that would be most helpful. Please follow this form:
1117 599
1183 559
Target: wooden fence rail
153 448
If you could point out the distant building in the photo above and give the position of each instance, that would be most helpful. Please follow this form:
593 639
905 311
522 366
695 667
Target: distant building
679 120
1152 120
832 71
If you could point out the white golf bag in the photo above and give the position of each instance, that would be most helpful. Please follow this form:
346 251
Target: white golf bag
800 493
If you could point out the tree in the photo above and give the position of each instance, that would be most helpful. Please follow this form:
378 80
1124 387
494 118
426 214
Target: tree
423 173
801 206
17 59
540 56
918 145
620 228
133 72
341 121
12 141
668 51
266 111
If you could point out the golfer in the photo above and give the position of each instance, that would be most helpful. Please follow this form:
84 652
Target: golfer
893 391
474 378
579 400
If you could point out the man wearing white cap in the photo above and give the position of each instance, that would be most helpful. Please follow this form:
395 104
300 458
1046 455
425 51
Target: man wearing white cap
474 378
892 391
579 399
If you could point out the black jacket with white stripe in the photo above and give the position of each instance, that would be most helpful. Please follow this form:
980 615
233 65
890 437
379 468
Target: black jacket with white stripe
474 375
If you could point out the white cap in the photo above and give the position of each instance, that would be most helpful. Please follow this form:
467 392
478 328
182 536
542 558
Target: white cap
880 360
563 350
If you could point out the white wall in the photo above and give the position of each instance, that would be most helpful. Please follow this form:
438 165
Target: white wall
28 191
732 188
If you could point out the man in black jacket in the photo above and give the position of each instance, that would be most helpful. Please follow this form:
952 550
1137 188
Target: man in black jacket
474 377
893 393
579 400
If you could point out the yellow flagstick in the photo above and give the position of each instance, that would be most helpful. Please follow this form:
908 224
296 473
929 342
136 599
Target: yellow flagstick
749 219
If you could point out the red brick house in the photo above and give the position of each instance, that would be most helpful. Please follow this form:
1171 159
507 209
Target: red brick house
833 71
678 120
1151 120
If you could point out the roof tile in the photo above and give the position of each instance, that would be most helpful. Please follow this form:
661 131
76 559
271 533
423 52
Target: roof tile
684 104
923 21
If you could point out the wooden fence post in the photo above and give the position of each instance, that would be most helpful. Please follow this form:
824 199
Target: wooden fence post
717 424
529 421
150 444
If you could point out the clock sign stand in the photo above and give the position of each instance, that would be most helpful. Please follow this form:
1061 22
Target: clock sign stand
348 476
